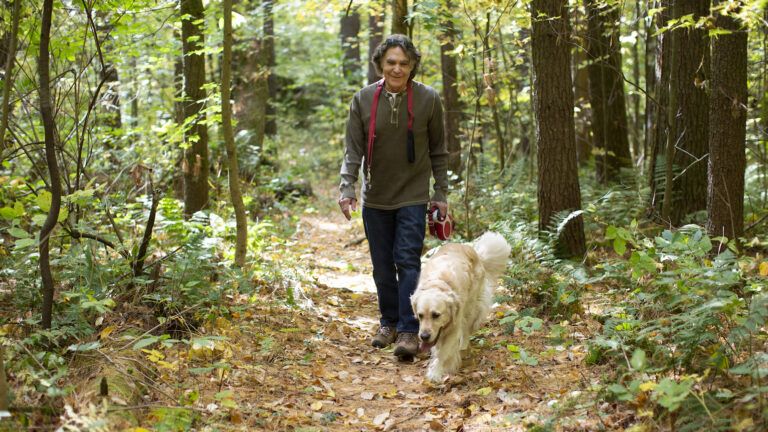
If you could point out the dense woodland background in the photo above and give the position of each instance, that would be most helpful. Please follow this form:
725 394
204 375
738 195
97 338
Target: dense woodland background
157 157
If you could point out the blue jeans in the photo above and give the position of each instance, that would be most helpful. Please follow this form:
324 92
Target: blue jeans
395 239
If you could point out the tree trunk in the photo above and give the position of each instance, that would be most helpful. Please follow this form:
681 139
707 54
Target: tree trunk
637 120
689 190
251 98
10 58
558 186
728 116
399 14
241 222
651 43
375 34
658 118
270 128
451 102
350 46
49 126
581 92
195 164
606 91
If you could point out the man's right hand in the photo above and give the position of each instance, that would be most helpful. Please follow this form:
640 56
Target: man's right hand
347 205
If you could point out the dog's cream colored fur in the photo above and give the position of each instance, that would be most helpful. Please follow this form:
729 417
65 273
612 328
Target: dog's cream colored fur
454 297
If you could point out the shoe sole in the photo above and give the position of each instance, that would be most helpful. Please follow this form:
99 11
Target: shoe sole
403 352
380 345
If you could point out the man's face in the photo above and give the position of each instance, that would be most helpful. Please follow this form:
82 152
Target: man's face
397 68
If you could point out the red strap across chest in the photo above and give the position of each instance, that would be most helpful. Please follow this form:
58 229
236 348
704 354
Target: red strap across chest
372 121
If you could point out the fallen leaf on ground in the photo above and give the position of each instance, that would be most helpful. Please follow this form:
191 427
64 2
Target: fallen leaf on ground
381 418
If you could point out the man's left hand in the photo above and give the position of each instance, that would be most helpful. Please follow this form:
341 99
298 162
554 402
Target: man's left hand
442 208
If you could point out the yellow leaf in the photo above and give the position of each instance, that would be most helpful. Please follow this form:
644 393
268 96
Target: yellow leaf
764 268
153 355
137 429
647 386
106 332
316 406
485 391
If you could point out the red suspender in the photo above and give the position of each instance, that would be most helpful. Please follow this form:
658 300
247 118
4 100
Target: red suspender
372 124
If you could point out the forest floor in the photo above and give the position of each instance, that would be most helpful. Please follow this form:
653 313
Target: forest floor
312 368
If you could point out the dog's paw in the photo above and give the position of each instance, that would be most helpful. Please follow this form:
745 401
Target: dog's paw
435 375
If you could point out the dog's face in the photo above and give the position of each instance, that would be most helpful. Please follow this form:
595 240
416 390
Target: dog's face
435 310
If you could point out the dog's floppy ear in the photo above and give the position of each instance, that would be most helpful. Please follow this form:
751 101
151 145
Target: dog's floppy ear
453 303
413 303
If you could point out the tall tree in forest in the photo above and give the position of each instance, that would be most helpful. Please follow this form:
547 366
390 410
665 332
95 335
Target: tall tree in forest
451 102
727 132
350 45
268 45
10 59
375 34
656 109
241 222
581 88
195 163
689 137
606 90
49 127
399 14
558 185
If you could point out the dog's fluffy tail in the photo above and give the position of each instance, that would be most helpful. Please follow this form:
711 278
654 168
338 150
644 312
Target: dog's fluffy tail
494 252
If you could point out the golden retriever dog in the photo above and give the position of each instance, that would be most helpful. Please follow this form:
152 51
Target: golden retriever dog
454 297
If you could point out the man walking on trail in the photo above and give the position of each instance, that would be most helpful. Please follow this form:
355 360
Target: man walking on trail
396 127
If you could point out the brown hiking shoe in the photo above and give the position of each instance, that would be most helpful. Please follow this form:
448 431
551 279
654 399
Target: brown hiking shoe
384 337
407 345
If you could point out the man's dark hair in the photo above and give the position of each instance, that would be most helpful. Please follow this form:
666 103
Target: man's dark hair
397 40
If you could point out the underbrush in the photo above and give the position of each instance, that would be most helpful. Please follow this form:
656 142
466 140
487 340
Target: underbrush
103 308
682 328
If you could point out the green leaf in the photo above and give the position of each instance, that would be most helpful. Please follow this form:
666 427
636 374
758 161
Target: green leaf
11 213
145 342
88 346
638 360
44 201
670 394
18 233
24 243
619 245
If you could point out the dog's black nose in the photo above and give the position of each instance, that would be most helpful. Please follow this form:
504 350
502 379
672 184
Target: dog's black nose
424 336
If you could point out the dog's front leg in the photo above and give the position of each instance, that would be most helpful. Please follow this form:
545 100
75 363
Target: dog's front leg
435 370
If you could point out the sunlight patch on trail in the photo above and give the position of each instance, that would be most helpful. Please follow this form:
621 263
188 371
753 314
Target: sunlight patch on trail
358 283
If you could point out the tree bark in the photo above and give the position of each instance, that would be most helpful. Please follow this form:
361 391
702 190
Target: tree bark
350 46
606 91
558 185
691 64
375 34
727 132
581 93
399 14
658 128
251 98
452 104
270 128
241 222
49 126
10 59
195 164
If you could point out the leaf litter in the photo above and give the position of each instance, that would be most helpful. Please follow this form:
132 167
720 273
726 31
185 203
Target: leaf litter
313 368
